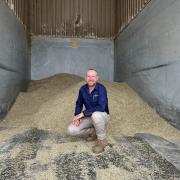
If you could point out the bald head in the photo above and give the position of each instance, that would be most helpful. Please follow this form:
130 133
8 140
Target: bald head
91 71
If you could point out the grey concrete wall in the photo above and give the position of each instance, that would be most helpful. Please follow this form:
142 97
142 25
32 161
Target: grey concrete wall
13 58
51 56
147 56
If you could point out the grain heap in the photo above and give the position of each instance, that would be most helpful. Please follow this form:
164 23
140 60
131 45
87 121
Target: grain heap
49 104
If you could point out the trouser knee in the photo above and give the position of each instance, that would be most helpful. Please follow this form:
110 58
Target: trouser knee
72 131
97 117
100 120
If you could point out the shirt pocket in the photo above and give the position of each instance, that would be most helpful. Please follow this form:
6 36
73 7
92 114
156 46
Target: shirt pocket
95 97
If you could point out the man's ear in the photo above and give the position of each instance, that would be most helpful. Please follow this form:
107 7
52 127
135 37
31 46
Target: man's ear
97 78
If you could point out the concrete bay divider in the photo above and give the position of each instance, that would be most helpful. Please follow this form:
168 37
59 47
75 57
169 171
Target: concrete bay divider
14 61
147 56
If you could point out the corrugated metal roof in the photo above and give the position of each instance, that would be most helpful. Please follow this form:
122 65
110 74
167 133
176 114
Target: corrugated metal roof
127 10
76 18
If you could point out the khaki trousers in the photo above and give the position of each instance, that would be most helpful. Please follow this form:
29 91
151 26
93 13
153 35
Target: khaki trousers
98 120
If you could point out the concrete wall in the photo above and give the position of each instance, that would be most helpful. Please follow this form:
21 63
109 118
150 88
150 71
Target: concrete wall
13 58
51 56
147 56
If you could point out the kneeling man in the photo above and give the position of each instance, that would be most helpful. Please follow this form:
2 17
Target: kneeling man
91 123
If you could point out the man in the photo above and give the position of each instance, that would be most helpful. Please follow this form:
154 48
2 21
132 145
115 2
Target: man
91 123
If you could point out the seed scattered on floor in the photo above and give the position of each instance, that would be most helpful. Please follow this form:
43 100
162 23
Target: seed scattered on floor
34 142
49 104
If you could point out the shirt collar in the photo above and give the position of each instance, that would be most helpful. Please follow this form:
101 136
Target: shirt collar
95 88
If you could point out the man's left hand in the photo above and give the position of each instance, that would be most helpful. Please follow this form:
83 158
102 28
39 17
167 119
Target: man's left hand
77 119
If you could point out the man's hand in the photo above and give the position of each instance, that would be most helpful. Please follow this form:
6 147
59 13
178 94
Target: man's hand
77 122
77 119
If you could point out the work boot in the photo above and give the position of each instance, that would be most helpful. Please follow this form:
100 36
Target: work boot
92 136
100 146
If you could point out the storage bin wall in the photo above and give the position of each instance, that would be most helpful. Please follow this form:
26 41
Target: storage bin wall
14 61
147 56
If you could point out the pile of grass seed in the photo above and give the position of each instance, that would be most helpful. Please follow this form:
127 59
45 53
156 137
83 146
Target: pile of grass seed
49 104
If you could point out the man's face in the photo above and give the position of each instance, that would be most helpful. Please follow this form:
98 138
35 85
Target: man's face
91 78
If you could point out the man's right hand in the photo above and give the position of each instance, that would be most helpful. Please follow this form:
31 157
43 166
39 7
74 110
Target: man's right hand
76 121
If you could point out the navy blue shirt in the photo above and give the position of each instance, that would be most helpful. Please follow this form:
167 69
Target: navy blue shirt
97 100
